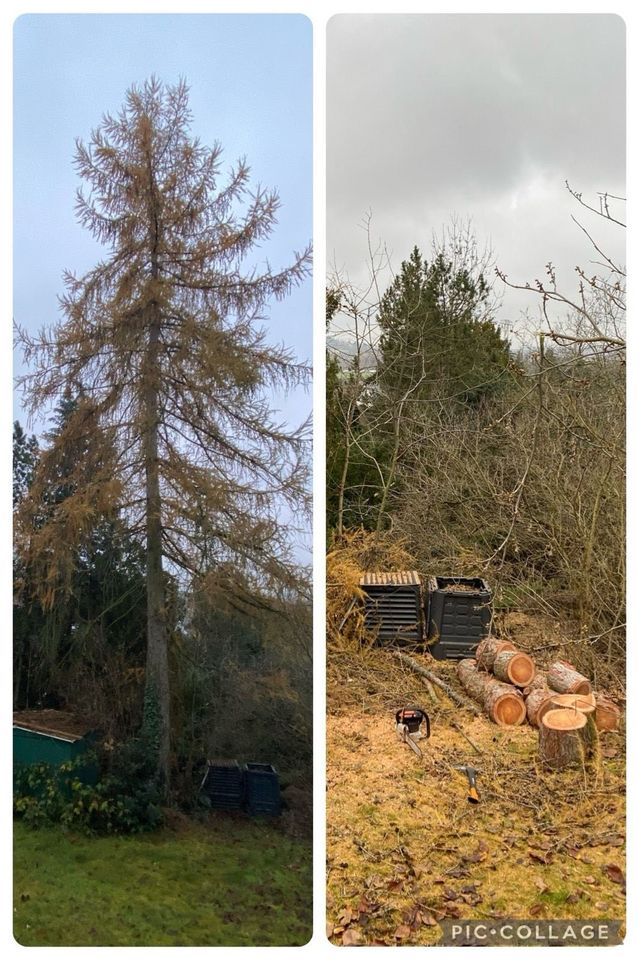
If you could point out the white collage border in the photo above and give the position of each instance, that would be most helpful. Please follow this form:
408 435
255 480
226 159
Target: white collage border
319 13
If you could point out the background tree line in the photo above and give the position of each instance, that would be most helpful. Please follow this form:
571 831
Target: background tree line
482 458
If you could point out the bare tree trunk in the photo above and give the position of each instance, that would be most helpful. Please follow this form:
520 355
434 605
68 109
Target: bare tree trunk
346 465
157 658
157 655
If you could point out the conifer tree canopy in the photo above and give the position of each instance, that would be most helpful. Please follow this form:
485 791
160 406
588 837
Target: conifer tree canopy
163 343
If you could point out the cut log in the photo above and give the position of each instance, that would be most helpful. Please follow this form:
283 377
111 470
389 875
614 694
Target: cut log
607 714
538 682
512 666
585 702
503 703
563 678
488 650
538 702
561 742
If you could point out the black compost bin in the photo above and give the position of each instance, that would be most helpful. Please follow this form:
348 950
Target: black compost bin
459 612
262 789
223 784
393 606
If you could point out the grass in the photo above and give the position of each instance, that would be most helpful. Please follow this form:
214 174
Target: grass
232 882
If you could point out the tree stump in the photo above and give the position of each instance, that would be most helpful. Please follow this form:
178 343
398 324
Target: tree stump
488 650
584 704
561 743
607 714
563 678
503 703
512 666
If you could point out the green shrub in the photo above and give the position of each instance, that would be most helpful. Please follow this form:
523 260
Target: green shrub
125 800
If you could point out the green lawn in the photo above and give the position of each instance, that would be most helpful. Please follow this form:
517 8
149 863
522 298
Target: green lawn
235 882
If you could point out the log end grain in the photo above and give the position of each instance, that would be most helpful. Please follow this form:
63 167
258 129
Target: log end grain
607 714
513 666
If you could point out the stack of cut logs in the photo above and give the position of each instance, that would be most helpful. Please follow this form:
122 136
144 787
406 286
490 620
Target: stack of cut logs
559 702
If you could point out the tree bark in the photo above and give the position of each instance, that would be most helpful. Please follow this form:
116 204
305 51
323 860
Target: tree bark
157 656
539 682
561 743
488 650
513 666
563 678
157 659
503 703
538 702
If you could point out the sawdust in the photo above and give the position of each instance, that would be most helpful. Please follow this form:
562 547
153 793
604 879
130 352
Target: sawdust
405 847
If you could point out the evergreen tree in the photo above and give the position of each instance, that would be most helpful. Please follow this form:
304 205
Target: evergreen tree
436 339
25 455
163 338
101 614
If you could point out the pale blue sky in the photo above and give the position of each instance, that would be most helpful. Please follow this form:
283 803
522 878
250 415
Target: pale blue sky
251 90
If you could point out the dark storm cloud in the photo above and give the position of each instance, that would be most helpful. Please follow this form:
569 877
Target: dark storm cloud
482 116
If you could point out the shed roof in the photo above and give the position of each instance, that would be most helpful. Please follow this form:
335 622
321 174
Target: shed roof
53 723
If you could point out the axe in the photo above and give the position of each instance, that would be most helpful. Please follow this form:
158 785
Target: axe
471 776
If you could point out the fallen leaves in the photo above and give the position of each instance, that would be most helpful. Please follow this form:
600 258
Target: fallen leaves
615 873
352 937
403 932
545 858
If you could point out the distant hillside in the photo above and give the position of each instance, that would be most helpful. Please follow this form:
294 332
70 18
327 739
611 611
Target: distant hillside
344 347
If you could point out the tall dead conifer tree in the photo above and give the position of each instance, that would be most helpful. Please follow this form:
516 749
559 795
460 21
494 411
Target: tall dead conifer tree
163 340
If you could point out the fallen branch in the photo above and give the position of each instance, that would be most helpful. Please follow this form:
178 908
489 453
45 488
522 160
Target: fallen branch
448 690
456 727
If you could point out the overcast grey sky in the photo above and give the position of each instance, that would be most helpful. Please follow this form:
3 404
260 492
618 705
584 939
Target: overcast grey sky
481 116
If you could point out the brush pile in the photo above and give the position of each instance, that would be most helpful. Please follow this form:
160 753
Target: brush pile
347 561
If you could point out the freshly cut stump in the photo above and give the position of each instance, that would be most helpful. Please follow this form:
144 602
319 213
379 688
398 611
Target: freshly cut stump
512 666
563 678
607 714
561 743
585 704
488 649
538 702
503 703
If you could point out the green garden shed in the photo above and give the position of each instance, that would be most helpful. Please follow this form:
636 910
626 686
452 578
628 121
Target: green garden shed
54 737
